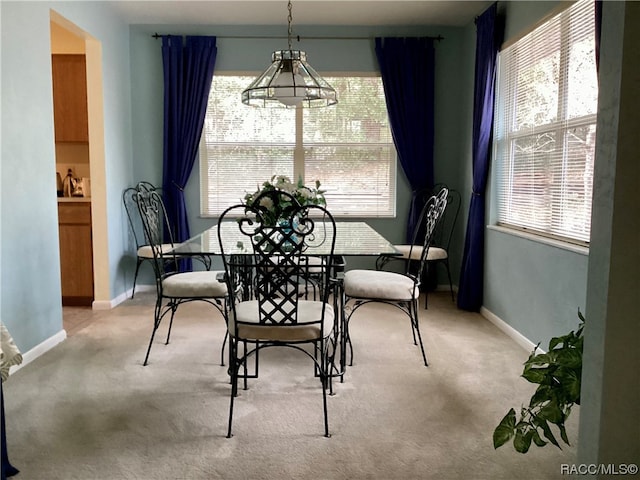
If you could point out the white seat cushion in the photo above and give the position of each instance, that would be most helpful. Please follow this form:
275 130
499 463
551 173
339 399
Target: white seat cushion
377 284
194 284
308 311
434 253
404 250
145 251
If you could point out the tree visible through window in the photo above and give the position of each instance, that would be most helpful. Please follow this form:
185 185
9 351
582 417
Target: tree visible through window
547 95
347 147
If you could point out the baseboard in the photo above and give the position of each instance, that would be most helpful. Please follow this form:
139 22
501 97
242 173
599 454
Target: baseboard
511 332
59 337
109 304
40 349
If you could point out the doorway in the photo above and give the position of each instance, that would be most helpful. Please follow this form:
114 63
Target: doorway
84 155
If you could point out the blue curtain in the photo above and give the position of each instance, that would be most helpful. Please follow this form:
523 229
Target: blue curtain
188 70
407 68
488 39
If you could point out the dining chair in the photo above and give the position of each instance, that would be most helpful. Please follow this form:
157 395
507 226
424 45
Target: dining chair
144 252
277 314
173 288
438 249
401 290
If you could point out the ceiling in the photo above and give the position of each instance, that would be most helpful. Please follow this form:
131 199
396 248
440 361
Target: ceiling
454 13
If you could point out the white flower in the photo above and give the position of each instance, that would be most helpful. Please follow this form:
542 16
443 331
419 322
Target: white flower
282 181
304 192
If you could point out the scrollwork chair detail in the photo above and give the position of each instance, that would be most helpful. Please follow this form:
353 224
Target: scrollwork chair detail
441 241
401 290
144 252
277 315
173 288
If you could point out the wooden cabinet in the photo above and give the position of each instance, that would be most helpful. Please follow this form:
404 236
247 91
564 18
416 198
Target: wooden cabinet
76 253
70 97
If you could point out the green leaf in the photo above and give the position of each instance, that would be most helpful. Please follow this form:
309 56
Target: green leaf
540 359
571 385
563 434
535 375
522 440
537 440
555 341
548 434
581 317
504 430
569 357
551 412
541 396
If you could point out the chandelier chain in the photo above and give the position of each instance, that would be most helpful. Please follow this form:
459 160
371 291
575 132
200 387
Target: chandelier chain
289 19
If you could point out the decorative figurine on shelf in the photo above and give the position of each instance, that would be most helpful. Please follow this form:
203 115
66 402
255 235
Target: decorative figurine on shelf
68 184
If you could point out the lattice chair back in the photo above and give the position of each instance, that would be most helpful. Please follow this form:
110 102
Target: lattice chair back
429 218
279 234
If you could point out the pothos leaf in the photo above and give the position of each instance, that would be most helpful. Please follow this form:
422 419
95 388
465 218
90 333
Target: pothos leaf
504 430
522 440
548 434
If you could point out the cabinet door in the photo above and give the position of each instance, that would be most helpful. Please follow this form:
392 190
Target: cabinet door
70 98
76 253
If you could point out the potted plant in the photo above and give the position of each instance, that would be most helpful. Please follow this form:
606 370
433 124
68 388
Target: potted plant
558 374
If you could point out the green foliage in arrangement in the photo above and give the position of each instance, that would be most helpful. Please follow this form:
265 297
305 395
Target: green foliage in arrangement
558 374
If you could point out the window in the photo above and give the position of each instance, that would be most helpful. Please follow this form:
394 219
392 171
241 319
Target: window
347 147
545 126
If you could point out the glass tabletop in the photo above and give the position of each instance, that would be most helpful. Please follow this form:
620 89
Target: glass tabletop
352 239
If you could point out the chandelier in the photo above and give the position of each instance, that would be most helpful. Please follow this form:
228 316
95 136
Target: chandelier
289 81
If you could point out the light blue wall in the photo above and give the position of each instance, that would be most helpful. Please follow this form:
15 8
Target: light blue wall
30 281
30 291
534 287
454 64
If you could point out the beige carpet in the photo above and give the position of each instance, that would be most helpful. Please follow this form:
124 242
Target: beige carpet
88 409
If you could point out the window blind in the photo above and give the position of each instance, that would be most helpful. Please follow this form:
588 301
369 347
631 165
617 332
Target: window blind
544 137
347 147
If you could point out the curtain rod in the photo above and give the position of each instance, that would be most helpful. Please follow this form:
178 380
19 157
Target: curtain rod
276 37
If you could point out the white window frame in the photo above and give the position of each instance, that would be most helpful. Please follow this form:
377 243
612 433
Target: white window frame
558 221
340 204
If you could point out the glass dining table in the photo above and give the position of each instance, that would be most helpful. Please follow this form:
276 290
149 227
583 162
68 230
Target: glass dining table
353 239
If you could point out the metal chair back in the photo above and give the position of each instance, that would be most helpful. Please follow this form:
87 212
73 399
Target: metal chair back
429 220
155 223
278 236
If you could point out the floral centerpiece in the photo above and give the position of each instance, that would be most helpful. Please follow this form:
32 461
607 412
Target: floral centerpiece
302 194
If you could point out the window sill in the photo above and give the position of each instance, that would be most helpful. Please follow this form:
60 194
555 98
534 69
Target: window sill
540 239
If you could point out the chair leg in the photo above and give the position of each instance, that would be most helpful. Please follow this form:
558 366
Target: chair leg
157 318
173 304
224 342
410 312
233 369
135 275
415 324
324 379
446 264
246 387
